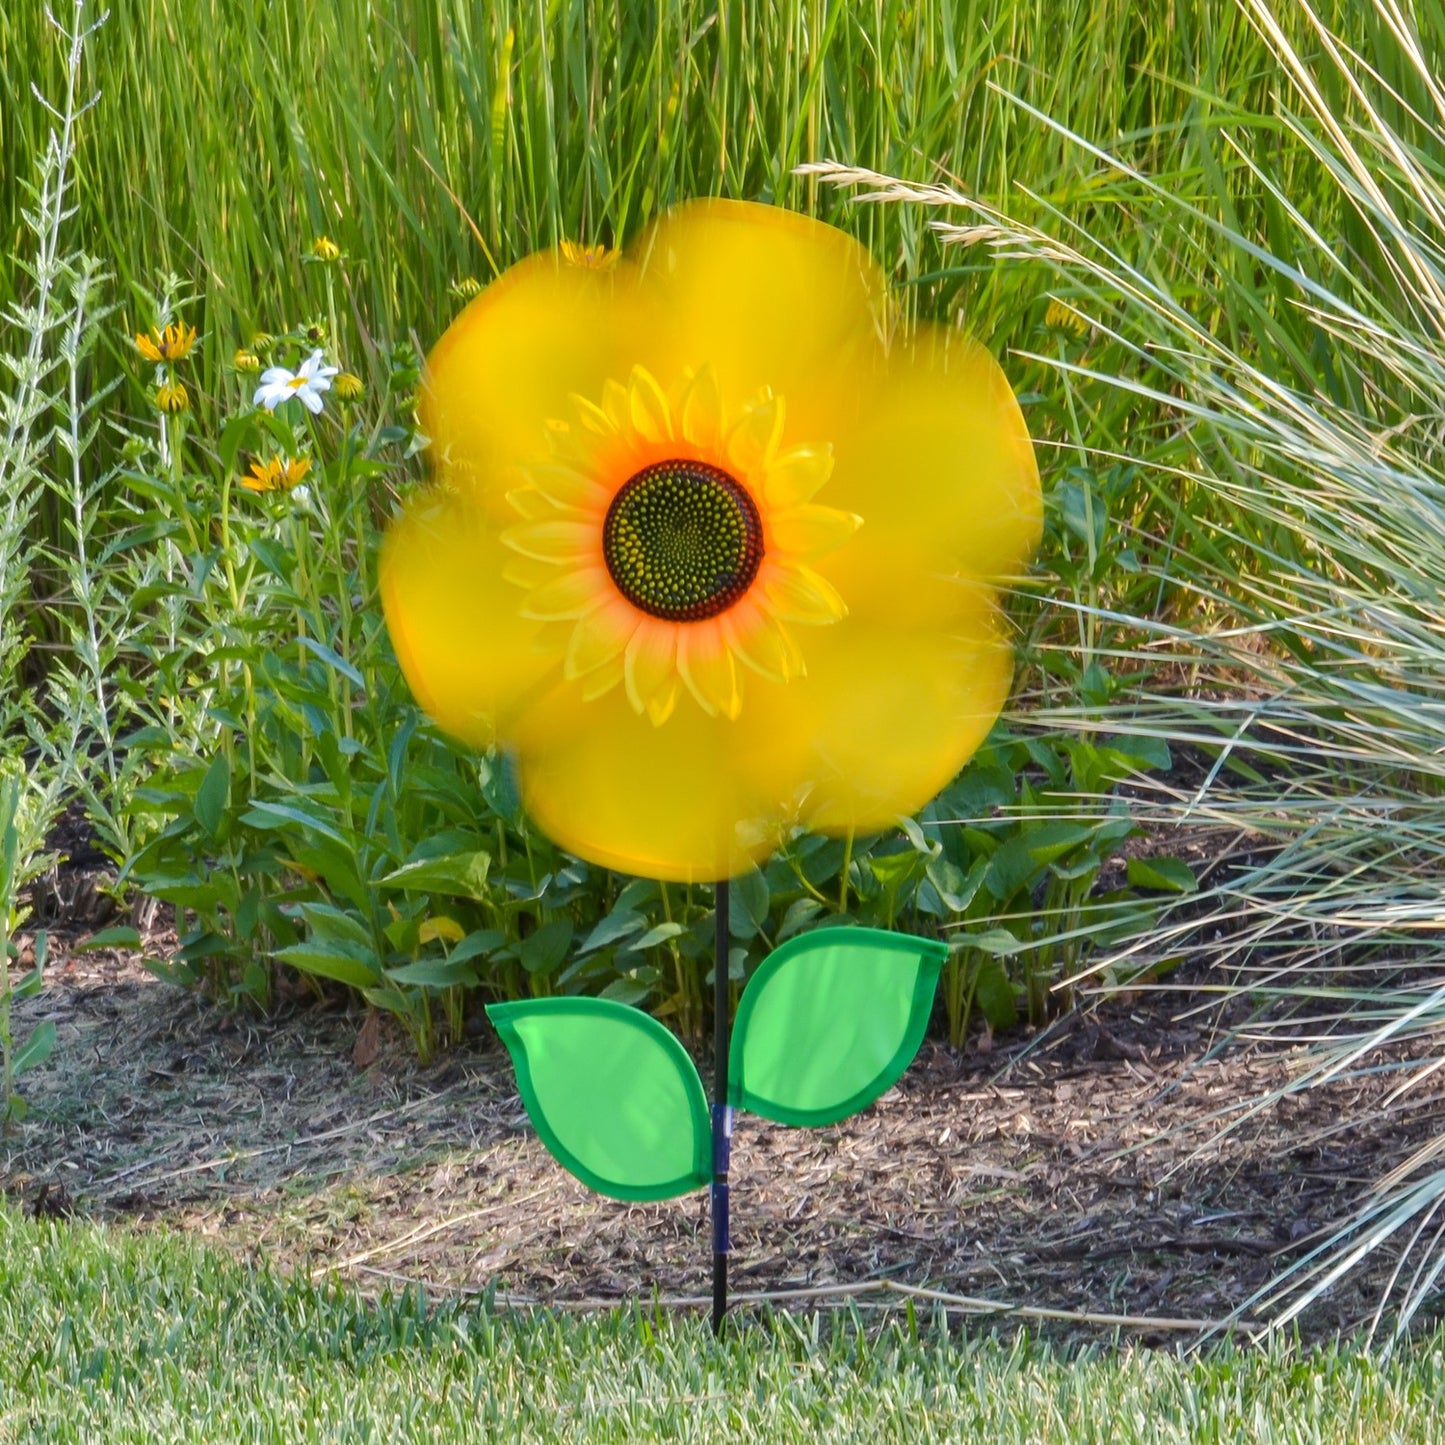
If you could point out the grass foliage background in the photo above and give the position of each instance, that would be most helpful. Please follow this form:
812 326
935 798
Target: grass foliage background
436 139
1239 440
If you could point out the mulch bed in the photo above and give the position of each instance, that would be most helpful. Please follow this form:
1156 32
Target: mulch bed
1079 1171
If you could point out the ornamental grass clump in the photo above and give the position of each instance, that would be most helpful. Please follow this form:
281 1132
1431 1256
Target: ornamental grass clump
1296 526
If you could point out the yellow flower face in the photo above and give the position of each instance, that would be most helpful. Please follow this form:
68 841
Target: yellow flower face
171 344
276 474
712 551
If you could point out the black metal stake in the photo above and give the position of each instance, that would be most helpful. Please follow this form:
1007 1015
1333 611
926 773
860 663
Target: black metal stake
722 1116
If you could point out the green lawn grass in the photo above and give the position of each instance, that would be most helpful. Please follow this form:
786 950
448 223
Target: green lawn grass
106 1335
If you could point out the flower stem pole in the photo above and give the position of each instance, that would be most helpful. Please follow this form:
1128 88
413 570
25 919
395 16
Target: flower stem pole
722 1115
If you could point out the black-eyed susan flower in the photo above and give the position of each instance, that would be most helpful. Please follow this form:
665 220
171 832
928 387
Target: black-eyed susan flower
172 397
349 386
1061 317
276 474
714 548
245 360
171 344
325 249
579 255
305 385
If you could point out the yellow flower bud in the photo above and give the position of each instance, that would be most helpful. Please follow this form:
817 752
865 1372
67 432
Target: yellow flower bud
172 397
325 249
246 360
348 386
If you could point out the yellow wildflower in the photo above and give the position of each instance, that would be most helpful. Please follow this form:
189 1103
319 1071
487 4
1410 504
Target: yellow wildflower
348 386
597 258
276 474
325 249
1060 317
169 345
246 360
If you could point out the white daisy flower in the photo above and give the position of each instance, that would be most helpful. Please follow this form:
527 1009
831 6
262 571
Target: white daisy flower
278 384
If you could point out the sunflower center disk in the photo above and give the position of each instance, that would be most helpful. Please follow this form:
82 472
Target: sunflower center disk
682 540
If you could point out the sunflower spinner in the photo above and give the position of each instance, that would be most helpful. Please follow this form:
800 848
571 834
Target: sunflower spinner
713 553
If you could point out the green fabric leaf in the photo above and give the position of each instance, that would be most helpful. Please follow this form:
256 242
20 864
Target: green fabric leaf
829 1021
612 1094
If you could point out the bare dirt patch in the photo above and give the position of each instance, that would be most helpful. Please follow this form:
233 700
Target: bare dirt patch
1078 1171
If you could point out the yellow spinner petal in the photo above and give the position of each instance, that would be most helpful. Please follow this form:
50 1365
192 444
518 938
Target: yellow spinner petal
702 410
599 637
753 441
566 488
556 541
763 643
940 467
507 365
796 593
795 475
810 531
885 718
651 658
706 664
647 408
464 648
666 802
565 596
766 297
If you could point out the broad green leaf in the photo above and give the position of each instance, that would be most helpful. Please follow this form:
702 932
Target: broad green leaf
213 795
829 1021
993 992
277 815
120 937
611 1093
334 659
617 924
435 973
1168 875
655 935
628 989
999 942
542 950
328 924
36 1049
459 875
748 901
333 960
31 984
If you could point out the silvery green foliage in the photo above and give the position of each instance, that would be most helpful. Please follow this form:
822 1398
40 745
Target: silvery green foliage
36 331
